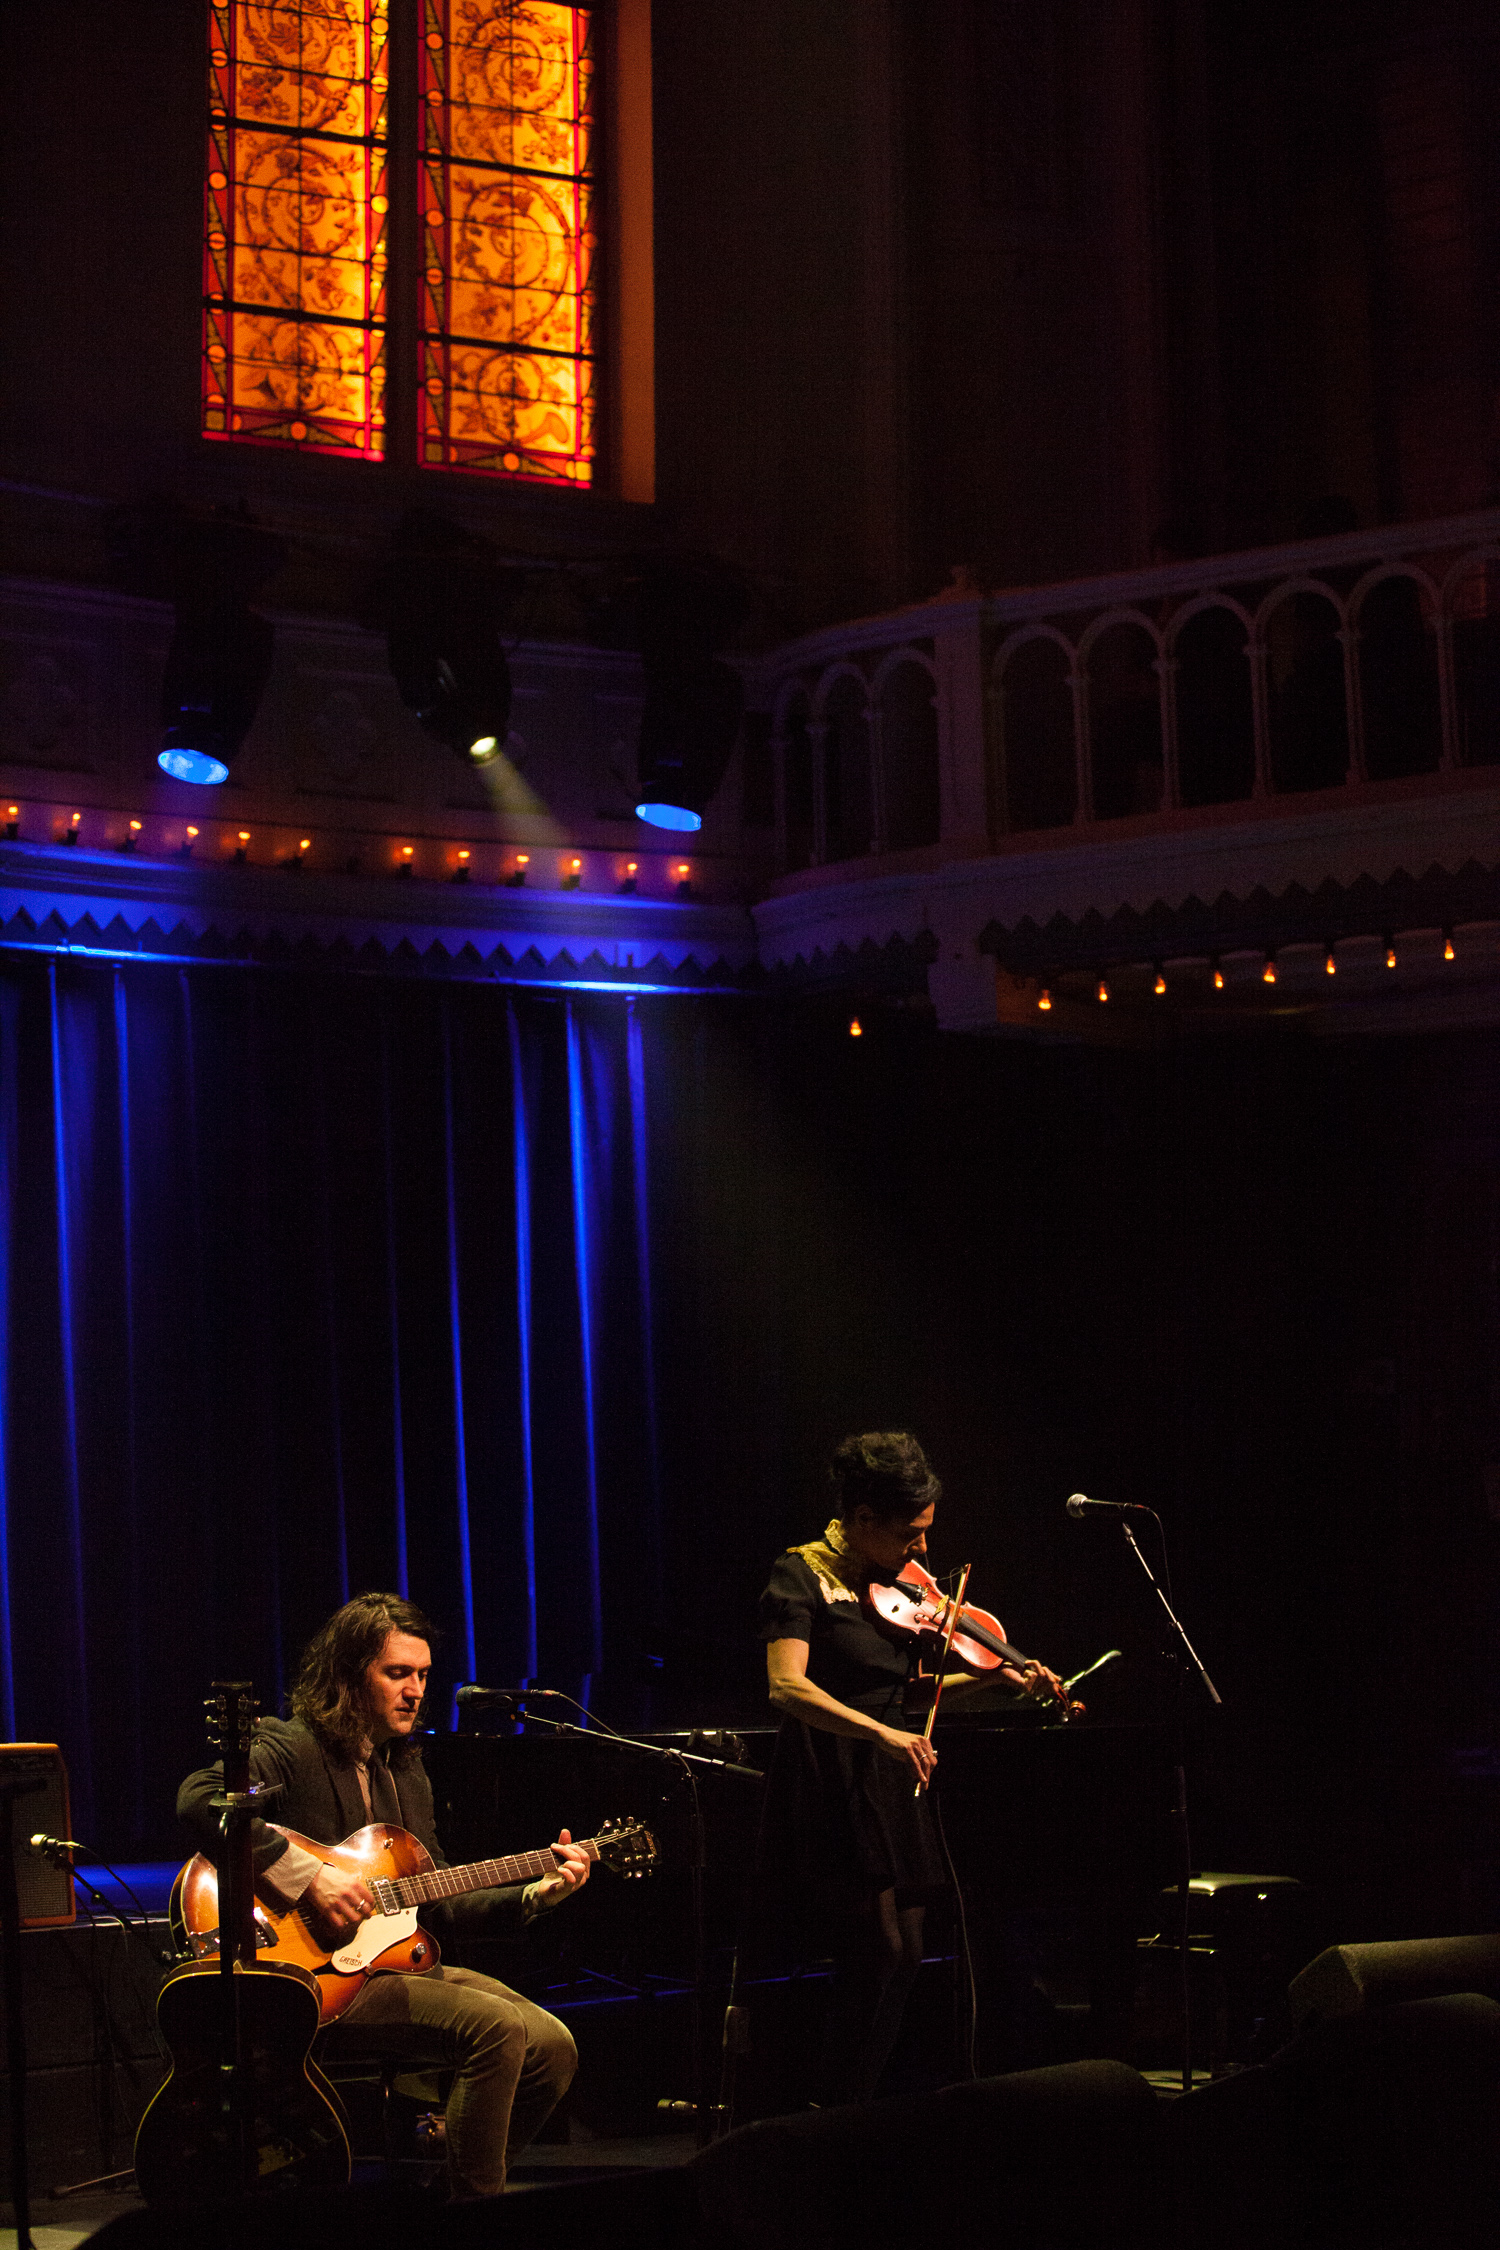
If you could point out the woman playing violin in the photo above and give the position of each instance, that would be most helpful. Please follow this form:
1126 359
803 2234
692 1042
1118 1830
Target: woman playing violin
848 1816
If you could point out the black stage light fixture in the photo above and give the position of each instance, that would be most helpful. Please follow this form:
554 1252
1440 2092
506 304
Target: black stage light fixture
217 669
439 598
221 650
685 610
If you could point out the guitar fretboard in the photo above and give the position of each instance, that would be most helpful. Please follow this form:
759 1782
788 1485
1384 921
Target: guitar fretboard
479 1875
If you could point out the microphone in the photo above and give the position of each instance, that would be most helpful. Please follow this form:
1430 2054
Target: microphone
474 1694
59 1849
1079 1504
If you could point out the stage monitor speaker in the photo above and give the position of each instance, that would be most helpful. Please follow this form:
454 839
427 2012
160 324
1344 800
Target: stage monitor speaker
45 1891
1347 1980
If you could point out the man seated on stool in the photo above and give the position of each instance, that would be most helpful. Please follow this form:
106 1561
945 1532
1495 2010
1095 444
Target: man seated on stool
346 1759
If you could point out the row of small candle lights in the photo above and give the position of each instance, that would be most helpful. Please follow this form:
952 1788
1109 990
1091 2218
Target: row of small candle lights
1267 973
573 871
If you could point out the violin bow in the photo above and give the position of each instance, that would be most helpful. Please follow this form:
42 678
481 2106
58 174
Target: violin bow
955 1611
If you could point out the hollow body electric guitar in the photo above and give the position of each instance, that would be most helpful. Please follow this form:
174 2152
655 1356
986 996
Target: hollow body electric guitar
401 1875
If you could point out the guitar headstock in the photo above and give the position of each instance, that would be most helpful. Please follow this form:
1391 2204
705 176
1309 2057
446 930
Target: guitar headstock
233 1716
626 1847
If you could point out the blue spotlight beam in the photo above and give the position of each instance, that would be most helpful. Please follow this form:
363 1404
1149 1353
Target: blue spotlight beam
582 1266
520 1136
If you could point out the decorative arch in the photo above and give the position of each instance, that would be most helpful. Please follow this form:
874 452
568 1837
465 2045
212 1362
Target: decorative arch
1036 784
1108 620
1394 614
1471 627
1302 625
1213 696
904 692
844 761
1120 657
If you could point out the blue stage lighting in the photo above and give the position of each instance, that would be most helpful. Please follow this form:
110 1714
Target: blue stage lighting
669 816
192 765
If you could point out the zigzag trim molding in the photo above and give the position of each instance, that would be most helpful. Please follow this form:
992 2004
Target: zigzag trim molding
63 899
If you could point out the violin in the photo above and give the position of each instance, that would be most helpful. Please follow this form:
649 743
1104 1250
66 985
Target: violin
914 1604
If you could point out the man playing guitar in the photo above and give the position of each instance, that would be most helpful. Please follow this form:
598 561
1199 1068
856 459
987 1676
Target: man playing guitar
345 1760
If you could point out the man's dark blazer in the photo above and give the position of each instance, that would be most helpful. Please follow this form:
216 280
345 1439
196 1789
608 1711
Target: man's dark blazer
320 1798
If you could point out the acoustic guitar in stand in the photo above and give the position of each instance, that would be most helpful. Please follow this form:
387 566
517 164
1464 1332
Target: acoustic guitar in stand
244 2110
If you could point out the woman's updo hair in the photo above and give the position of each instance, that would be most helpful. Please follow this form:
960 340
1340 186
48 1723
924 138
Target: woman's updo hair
885 1471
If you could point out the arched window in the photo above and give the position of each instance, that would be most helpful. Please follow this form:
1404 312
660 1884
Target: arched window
295 236
488 223
507 192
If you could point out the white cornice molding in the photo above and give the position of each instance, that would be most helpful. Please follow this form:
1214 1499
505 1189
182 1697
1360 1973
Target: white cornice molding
957 901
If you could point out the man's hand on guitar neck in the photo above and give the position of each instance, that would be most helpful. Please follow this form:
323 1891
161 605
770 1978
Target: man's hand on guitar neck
570 1874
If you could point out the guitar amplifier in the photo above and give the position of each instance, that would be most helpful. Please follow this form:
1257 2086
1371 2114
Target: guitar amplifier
45 1892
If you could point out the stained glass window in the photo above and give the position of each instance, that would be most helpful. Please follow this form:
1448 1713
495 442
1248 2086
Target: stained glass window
295 239
507 378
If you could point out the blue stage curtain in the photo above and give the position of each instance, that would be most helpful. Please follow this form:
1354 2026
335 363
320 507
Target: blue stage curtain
308 1285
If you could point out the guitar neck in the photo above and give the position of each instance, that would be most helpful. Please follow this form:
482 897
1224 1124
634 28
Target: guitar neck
481 1875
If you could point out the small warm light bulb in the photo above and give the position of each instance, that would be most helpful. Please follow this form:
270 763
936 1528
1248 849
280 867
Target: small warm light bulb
632 866
1045 1002
463 857
856 1028
1268 973
523 859
244 835
75 820
135 828
1103 989
1330 966
1161 983
191 833
575 865
1218 978
408 851
305 845
12 812
683 870
1447 945
1390 954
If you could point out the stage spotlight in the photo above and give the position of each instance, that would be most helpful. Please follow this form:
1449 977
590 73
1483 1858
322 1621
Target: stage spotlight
217 669
439 598
685 610
210 569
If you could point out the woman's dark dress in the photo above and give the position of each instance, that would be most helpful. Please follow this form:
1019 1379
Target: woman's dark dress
842 1820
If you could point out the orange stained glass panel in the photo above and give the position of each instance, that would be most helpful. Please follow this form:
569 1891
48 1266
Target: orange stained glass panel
295 226
508 243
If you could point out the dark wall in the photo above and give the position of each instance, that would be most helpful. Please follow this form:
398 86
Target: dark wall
1253 1286
968 282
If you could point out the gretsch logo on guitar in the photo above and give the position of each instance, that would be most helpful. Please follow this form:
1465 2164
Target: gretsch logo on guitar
402 1878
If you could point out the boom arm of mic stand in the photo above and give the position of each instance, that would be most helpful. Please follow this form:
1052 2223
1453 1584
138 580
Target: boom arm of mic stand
650 1749
1176 1621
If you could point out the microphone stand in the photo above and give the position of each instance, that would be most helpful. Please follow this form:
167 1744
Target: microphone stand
1183 1850
698 2107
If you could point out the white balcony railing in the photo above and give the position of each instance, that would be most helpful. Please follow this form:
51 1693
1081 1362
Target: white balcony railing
1330 664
